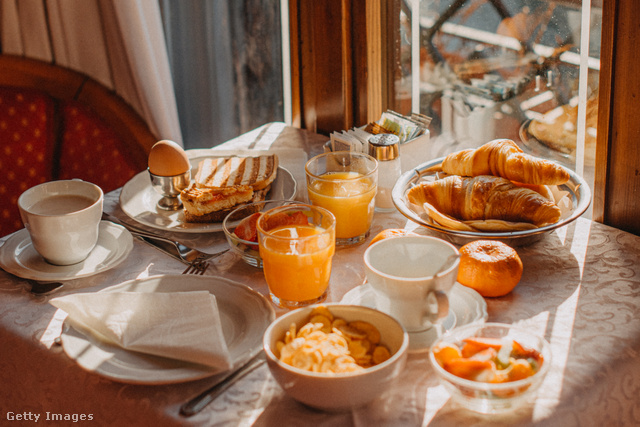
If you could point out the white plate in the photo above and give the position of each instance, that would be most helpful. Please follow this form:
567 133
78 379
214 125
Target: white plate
138 200
465 306
19 257
244 313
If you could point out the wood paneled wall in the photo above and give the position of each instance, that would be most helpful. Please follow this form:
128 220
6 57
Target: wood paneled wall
339 61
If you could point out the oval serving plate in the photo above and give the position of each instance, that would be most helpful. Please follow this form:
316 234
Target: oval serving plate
575 190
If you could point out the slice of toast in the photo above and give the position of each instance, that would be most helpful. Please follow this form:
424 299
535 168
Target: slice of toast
223 208
258 172
223 184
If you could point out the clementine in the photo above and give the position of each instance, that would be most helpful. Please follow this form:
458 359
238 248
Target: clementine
491 267
392 232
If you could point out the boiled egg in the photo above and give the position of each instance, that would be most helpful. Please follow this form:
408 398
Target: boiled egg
167 158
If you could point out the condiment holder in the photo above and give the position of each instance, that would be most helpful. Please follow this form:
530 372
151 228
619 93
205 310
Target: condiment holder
170 173
170 188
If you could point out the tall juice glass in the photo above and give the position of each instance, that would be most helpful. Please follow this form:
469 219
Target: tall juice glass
296 244
345 183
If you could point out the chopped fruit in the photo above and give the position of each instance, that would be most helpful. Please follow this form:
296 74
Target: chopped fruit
446 352
391 232
468 369
520 369
286 218
494 360
246 229
475 344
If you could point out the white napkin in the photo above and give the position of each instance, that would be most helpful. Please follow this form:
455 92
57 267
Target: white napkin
179 325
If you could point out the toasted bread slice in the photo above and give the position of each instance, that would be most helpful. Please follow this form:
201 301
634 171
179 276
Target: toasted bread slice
203 215
200 202
258 172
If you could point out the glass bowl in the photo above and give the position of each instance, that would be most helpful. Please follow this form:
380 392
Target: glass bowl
493 397
247 249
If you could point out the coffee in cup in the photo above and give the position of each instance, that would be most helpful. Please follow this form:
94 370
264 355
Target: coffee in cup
411 277
63 219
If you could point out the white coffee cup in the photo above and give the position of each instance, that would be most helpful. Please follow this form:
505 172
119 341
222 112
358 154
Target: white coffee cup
63 219
411 277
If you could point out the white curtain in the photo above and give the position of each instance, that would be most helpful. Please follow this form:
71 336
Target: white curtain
119 43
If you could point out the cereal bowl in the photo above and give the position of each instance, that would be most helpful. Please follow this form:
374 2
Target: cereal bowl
247 249
345 390
522 359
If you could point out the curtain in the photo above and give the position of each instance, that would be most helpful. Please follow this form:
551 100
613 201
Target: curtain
119 43
226 58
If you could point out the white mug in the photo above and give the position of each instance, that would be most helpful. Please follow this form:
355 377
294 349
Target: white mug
63 219
411 277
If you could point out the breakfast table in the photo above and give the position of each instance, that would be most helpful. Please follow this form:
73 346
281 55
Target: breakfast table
580 289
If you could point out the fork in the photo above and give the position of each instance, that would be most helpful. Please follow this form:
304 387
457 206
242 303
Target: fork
183 253
197 267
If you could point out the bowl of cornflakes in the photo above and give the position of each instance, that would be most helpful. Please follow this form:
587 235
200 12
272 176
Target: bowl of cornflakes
491 368
335 357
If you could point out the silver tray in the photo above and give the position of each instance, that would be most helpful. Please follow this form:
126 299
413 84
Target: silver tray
576 188
530 144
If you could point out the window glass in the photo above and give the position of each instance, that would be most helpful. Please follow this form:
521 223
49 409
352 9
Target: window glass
511 69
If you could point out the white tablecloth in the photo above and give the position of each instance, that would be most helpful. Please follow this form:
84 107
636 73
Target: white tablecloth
580 288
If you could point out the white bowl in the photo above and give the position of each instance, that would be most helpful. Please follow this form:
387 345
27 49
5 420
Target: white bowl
338 392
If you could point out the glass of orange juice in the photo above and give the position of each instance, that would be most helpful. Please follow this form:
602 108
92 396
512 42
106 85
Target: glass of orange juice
297 243
345 183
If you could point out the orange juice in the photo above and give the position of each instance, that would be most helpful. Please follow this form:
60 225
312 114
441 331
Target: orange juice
297 261
349 198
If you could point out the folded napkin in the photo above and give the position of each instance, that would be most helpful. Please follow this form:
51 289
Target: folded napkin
179 325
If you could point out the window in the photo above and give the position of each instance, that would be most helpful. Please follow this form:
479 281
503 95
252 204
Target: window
516 69
226 61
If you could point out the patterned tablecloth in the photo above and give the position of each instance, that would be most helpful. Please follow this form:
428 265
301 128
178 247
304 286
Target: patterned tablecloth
580 289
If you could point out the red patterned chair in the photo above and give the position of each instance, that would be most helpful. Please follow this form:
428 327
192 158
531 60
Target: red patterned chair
56 123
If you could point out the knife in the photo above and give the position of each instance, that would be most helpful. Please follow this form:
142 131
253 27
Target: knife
199 402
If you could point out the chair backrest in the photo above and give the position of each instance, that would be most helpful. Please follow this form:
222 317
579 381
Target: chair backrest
56 123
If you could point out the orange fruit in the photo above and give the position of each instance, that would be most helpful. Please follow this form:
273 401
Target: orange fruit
446 352
468 369
491 267
392 232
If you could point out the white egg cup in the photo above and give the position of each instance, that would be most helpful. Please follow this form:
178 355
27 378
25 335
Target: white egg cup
170 188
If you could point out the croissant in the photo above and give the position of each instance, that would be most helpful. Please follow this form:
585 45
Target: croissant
502 157
485 198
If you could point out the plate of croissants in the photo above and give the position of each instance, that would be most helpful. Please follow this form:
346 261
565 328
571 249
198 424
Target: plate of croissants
495 191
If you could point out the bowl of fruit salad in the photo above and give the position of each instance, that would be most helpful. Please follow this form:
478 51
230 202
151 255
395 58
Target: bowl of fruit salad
492 367
239 227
